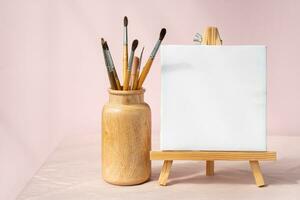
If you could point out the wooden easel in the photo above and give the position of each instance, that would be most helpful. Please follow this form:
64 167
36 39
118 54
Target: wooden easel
212 37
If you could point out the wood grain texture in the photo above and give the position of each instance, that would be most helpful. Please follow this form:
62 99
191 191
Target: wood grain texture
126 138
212 155
210 165
259 179
165 172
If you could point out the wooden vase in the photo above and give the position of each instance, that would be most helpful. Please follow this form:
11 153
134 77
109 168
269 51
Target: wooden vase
126 138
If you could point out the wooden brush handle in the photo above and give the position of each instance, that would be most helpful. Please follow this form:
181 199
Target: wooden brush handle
116 78
135 65
126 80
112 80
136 79
144 73
125 61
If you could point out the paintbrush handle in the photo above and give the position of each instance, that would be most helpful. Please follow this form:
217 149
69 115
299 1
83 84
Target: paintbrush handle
126 80
136 79
125 60
144 73
116 78
135 65
112 80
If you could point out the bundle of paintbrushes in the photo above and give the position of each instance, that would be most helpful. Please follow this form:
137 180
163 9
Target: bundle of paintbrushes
132 78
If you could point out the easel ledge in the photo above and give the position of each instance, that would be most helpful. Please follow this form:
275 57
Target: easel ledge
213 155
210 156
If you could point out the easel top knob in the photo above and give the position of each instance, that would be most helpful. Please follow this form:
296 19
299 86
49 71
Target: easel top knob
211 36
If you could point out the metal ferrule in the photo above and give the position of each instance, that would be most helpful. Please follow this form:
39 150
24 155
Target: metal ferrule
154 51
125 36
130 61
110 64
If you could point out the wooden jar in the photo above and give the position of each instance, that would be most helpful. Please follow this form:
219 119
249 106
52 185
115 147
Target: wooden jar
126 138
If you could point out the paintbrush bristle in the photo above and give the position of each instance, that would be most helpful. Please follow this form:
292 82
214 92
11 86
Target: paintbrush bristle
162 34
134 45
125 21
102 41
105 46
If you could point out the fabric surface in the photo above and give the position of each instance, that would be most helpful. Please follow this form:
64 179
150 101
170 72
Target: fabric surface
73 171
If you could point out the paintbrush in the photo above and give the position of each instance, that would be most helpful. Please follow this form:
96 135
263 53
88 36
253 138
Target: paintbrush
108 68
147 67
128 72
137 74
112 66
125 47
135 65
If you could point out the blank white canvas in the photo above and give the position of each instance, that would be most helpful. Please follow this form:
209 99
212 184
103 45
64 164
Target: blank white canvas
213 98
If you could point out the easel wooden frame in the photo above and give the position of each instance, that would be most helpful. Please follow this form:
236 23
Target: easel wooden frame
211 37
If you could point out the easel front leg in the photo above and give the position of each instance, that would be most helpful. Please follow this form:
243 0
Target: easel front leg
210 166
259 179
165 171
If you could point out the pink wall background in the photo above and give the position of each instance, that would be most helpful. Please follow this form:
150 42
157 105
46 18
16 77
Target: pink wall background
53 80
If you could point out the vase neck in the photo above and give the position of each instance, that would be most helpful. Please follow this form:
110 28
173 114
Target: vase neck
126 97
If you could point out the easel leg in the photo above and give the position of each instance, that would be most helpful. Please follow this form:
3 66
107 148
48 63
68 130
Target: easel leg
165 171
210 165
259 179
